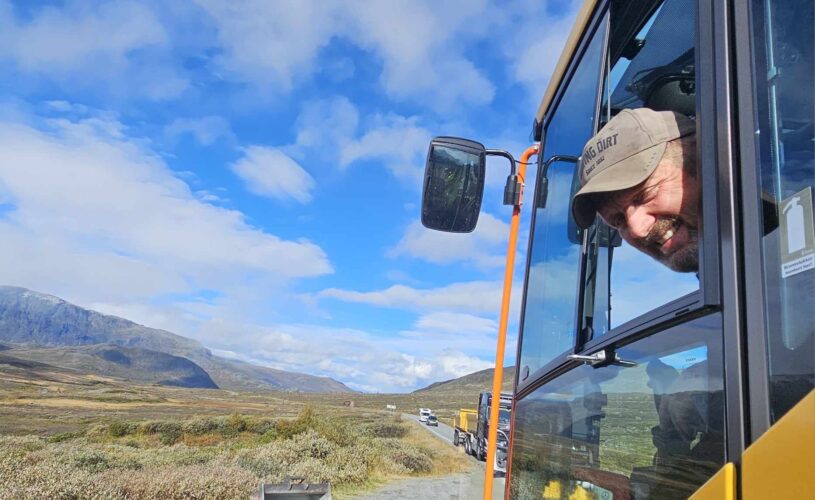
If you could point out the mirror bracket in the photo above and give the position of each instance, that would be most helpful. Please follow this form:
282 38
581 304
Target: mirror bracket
545 170
512 190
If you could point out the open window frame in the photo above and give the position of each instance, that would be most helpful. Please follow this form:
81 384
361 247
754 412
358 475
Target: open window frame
710 134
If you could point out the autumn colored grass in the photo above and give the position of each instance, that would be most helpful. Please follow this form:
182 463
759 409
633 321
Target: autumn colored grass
90 438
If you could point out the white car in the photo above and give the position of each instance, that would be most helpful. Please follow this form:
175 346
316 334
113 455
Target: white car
424 413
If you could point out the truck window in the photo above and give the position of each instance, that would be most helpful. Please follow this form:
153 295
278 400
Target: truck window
552 276
654 430
782 47
651 64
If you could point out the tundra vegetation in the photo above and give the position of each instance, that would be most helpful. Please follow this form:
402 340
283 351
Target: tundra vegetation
81 436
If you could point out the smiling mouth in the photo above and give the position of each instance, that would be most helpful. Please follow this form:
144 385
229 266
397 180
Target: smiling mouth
669 233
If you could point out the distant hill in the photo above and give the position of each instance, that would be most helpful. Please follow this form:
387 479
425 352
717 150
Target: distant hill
129 363
29 318
473 383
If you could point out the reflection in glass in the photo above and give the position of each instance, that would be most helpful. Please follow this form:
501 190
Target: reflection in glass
652 431
785 128
550 301
454 185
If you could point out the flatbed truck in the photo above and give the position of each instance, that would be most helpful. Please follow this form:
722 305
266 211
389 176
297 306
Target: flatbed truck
470 427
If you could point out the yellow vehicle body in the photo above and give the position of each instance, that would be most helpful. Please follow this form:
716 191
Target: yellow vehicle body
656 380
466 420
780 461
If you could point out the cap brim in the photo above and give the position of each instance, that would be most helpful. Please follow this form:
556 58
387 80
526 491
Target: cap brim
624 174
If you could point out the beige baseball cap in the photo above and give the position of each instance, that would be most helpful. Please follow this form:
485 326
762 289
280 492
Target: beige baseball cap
624 153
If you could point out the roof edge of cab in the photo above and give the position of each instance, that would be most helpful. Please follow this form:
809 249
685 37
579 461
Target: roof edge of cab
566 55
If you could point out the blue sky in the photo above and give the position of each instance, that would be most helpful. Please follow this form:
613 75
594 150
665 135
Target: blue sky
249 173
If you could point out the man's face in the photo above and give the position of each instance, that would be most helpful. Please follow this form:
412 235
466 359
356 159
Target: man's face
659 216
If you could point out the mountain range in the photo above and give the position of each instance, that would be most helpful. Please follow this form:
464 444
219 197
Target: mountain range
41 328
480 381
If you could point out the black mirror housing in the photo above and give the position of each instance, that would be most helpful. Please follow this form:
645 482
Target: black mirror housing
453 184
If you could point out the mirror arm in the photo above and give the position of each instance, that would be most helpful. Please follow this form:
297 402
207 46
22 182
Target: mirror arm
505 154
544 182
513 188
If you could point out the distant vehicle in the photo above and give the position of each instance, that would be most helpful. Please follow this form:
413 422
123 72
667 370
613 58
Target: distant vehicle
424 413
472 426
432 420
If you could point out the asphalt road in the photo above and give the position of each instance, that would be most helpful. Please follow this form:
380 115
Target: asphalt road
443 431
473 486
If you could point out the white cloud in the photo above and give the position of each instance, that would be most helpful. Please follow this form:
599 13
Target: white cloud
469 297
98 215
88 46
538 35
270 172
206 130
329 130
446 321
271 43
421 46
326 122
459 364
362 360
485 247
398 142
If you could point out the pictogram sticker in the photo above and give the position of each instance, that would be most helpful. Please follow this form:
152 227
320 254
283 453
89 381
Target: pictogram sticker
797 233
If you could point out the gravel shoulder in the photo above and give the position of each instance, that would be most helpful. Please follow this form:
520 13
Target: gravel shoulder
450 487
461 486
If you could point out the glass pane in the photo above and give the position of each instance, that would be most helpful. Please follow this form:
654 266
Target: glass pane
654 430
550 310
654 68
453 189
785 76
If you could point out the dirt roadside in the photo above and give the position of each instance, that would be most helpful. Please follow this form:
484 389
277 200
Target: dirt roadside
462 486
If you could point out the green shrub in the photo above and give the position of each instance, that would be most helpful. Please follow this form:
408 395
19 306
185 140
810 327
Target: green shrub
290 428
269 436
90 460
259 425
413 459
120 429
386 429
159 427
336 430
199 426
64 436
236 423
169 436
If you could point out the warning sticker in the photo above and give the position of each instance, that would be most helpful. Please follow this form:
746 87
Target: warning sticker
797 233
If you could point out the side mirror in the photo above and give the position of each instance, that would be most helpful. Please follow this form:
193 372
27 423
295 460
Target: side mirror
453 184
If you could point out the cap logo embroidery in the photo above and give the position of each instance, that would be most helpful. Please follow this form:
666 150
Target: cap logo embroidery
592 150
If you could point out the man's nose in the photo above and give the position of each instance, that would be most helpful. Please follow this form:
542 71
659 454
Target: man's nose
638 222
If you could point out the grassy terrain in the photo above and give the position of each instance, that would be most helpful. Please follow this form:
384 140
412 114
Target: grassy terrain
70 435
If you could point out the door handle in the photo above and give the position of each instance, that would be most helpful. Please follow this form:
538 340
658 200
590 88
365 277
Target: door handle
602 358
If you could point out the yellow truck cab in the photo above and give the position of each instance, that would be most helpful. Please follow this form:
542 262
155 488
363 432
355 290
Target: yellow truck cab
635 381
720 394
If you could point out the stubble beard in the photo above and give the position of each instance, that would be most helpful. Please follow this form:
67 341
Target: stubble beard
682 260
685 259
